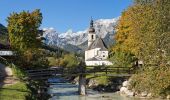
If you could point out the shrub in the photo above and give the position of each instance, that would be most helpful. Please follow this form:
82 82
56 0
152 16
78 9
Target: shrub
18 72
155 80
123 59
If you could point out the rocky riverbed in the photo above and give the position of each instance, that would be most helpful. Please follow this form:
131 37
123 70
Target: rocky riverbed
124 90
60 89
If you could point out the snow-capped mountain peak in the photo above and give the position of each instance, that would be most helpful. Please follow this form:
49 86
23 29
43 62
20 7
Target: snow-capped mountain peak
102 28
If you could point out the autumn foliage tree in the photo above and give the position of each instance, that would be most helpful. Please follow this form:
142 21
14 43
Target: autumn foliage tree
23 30
144 31
25 37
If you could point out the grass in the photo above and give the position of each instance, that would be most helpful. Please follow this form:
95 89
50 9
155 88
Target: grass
17 91
103 79
100 79
52 61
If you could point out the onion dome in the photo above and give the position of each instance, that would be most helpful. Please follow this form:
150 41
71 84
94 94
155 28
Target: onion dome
91 29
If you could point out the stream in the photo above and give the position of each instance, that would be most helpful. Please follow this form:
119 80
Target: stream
62 90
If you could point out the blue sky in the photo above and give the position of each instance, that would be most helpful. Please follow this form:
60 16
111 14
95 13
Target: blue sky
66 14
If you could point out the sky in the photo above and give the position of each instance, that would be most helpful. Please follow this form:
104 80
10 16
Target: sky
66 14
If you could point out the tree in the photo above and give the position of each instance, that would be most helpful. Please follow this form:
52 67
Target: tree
123 59
23 30
144 31
70 60
25 38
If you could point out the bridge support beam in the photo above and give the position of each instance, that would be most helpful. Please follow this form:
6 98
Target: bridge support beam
82 84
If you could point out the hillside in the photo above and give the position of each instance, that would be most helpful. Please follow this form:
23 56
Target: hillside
3 35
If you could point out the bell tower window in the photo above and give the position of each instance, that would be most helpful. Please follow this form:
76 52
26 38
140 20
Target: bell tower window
92 37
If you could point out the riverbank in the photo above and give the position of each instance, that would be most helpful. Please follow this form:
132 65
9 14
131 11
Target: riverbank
102 83
11 87
126 90
63 90
118 85
17 91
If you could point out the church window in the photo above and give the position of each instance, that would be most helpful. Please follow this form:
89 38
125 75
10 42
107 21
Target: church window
92 37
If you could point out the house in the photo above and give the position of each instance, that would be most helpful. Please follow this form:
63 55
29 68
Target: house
96 53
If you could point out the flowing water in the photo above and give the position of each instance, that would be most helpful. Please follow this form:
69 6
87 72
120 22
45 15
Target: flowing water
61 90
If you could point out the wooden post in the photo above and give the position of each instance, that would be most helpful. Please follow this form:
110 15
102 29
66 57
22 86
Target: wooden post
129 70
82 84
82 79
106 70
118 70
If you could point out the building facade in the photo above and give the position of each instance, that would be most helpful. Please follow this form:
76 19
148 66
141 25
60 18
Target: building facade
96 54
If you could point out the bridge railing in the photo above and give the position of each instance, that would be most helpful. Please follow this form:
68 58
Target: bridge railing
61 71
43 73
109 69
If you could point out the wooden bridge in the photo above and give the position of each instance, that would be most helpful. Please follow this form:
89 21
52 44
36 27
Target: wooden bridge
96 71
81 72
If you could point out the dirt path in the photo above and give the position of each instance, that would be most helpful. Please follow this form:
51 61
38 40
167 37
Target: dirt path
6 77
8 81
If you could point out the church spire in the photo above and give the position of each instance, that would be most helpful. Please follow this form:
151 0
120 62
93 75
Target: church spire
91 29
91 23
91 34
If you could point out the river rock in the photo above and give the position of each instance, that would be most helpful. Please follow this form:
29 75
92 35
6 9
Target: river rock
149 95
144 94
130 93
124 90
168 97
92 83
125 84
76 81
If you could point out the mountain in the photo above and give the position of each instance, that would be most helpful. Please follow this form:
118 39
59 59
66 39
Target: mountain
3 35
73 41
3 29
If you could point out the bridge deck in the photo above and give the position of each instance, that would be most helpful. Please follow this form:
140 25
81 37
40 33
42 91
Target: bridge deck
96 71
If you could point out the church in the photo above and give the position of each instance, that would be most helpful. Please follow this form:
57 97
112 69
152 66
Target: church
96 53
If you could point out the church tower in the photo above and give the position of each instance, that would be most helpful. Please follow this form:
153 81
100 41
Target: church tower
91 34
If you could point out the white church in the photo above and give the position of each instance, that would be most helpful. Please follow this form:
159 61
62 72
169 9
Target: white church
96 54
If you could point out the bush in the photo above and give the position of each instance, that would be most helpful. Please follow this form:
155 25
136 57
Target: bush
123 59
155 80
52 61
69 60
18 72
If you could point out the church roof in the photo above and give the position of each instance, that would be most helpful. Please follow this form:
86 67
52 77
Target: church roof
98 43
